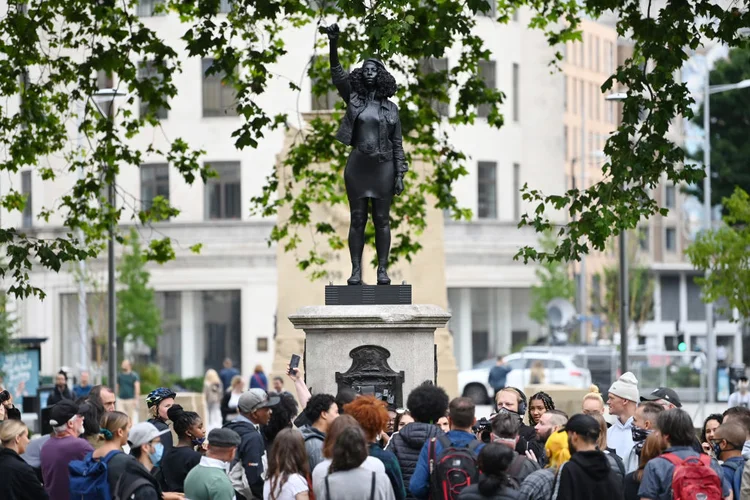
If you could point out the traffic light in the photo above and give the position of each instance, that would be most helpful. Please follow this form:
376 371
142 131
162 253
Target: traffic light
681 345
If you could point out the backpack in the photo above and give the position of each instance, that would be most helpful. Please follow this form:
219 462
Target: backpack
89 479
694 478
453 469
128 483
738 467
514 470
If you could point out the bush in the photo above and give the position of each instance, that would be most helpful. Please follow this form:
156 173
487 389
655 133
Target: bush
150 376
192 384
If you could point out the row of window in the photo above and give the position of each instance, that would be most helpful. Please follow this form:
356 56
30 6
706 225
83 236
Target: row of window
572 143
670 239
222 195
148 8
588 54
487 71
588 96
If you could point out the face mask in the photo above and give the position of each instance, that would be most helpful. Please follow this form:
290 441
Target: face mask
717 450
198 441
155 457
639 434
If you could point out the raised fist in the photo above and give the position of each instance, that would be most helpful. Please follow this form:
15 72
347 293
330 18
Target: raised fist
333 32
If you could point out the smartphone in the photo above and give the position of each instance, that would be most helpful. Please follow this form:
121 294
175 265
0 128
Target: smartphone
294 362
4 396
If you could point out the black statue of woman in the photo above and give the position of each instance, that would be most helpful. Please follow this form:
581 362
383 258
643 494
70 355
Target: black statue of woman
376 166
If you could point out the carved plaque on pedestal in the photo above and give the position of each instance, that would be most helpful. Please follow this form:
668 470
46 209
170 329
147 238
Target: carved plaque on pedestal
370 374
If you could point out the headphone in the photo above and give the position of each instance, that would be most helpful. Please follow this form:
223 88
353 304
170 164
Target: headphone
522 406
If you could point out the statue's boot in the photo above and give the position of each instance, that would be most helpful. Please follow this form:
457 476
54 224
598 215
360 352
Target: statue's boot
356 277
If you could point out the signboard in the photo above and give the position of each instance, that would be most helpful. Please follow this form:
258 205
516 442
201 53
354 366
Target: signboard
21 374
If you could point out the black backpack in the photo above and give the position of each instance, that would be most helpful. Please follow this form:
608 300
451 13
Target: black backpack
453 469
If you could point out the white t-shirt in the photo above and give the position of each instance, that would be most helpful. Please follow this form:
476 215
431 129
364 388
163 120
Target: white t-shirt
738 399
289 490
321 470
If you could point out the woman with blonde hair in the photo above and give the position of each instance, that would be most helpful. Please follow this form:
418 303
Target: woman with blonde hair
231 399
592 402
20 480
213 393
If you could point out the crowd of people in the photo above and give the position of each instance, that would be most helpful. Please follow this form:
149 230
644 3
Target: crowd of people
350 446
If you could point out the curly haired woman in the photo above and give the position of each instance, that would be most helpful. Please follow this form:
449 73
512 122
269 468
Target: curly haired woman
376 166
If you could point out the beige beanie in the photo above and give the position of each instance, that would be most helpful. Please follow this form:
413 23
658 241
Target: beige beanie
626 387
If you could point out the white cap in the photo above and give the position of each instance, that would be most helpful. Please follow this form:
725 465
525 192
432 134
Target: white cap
143 433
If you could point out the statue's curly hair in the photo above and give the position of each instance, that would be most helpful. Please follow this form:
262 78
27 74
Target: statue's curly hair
385 83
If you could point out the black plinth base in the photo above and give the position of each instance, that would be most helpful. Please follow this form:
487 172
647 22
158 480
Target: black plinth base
361 295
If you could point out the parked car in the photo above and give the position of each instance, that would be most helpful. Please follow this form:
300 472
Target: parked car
558 369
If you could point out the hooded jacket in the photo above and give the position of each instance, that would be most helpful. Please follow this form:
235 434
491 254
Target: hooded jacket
20 481
587 476
407 443
250 452
313 445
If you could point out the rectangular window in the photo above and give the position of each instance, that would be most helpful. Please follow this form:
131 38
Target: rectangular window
104 80
592 41
487 71
669 196
26 191
516 192
487 190
146 8
565 93
147 69
431 66
597 60
515 16
516 96
327 100
154 182
582 97
670 239
219 97
565 143
643 242
223 193
596 292
491 9
225 6
612 61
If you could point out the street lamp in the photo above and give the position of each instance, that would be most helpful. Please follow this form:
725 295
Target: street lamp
708 90
108 96
624 285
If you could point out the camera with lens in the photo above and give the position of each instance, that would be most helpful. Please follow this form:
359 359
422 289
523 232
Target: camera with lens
4 396
483 429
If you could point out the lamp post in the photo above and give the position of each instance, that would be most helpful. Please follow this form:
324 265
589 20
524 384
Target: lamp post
624 285
708 90
108 96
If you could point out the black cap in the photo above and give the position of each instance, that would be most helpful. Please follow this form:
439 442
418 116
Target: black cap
224 438
664 393
584 425
62 412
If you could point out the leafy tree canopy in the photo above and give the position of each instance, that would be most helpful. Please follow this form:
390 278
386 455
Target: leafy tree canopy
724 253
730 128
64 44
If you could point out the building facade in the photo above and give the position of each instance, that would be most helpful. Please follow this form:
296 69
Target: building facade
222 302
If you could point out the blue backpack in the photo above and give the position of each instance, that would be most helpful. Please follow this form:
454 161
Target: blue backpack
736 466
89 479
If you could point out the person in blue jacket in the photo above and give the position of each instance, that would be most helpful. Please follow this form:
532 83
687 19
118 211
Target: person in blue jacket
255 410
499 375
461 419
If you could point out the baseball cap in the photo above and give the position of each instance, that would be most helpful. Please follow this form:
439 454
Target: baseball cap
585 425
62 412
143 433
256 399
664 393
224 438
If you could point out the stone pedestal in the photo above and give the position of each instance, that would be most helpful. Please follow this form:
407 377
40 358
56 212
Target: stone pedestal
406 332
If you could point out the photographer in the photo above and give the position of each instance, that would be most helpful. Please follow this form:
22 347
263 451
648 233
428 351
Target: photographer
7 410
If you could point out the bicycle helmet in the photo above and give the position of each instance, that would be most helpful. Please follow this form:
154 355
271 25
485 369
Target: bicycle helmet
158 395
